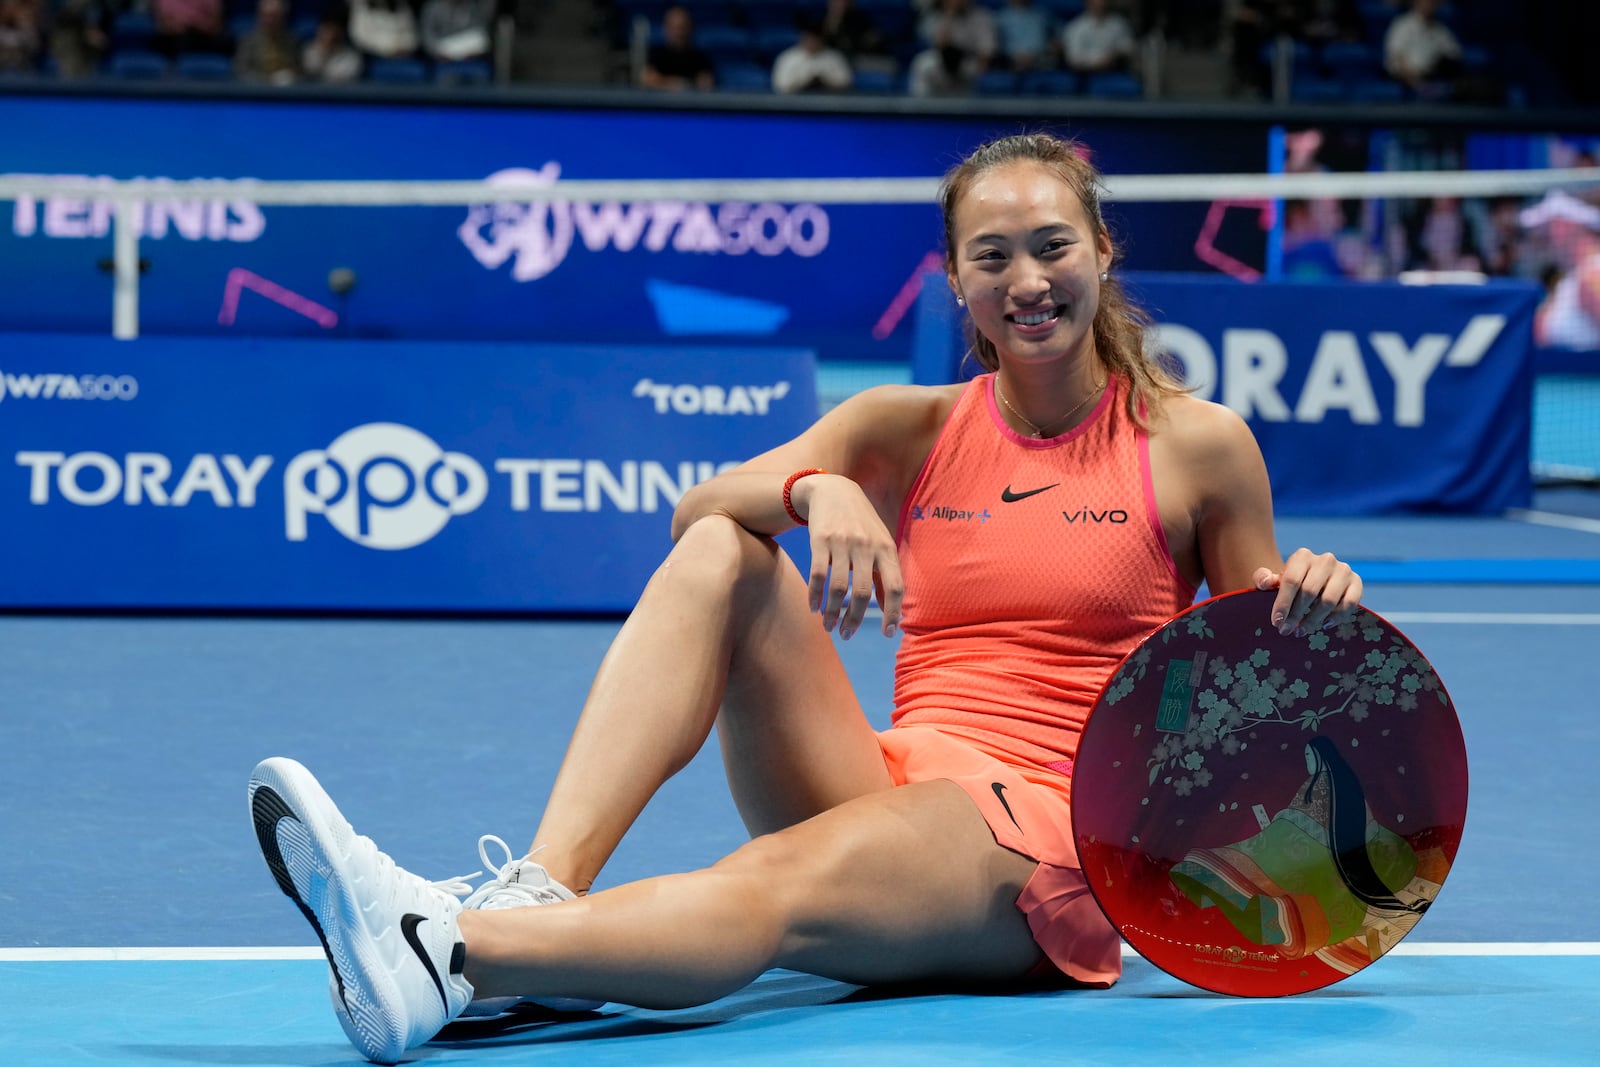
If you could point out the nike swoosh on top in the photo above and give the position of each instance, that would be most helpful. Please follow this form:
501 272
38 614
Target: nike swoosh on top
408 926
1000 792
1011 498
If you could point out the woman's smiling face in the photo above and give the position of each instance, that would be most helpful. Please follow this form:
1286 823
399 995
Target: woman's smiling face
1027 259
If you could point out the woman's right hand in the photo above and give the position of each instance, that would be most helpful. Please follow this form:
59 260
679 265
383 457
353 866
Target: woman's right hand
853 554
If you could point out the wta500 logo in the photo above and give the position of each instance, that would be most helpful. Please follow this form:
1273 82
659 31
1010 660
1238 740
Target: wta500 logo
68 386
536 237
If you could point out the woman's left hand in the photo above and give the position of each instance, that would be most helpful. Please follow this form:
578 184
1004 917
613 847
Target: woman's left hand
1314 592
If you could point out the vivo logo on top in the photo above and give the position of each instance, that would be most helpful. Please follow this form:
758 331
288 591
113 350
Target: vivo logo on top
1253 363
536 237
237 221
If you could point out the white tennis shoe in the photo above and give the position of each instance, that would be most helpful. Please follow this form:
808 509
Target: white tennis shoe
518 884
391 938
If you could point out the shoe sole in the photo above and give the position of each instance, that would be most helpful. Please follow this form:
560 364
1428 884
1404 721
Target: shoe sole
309 853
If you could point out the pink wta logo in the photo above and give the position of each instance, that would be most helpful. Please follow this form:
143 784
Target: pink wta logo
535 237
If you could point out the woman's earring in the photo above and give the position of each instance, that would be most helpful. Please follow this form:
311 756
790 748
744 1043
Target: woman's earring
961 301
1105 276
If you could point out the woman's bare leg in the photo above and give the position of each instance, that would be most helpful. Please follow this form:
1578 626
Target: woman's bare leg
897 885
723 624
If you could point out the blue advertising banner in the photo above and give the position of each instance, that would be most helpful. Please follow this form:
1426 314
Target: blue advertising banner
1367 398
263 474
833 278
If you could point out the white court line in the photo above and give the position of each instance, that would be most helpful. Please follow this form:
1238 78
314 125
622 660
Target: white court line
1475 948
271 953
1495 618
158 954
1551 518
1470 618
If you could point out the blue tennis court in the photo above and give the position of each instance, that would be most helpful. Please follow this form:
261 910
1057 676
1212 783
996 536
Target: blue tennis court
141 927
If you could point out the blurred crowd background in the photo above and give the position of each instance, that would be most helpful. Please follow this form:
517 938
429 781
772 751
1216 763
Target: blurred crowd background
1530 54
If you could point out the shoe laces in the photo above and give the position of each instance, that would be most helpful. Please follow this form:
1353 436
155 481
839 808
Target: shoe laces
396 875
507 889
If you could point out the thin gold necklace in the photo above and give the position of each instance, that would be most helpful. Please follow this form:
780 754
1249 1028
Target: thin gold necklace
1039 431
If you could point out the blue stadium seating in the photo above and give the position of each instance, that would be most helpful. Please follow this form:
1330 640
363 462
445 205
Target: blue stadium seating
397 71
204 66
1115 85
137 63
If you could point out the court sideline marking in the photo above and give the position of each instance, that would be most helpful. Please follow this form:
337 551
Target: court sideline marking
180 954
1470 618
1552 518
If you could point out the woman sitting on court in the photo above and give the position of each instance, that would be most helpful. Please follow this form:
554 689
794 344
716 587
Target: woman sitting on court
940 848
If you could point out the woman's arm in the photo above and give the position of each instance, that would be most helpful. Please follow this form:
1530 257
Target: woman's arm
1233 528
871 447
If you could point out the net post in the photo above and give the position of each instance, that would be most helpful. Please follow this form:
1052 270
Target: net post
125 275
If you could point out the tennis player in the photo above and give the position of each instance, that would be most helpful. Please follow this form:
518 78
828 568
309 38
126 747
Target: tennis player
1022 531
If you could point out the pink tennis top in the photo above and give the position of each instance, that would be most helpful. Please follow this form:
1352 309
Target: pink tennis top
1031 568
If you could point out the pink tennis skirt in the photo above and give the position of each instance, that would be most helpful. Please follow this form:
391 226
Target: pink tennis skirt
1028 809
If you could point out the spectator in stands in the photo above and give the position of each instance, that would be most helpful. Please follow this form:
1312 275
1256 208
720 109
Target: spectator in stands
328 57
269 51
1310 232
850 30
1508 250
1420 51
383 29
1025 33
1570 314
455 30
810 66
1321 21
960 42
1098 40
677 63
189 26
78 37
1444 239
21 43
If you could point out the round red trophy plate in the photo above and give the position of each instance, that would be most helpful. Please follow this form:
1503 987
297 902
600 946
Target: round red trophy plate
1262 815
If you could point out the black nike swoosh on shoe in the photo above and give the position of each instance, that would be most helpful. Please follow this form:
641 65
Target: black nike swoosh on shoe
1011 498
267 810
408 926
1000 792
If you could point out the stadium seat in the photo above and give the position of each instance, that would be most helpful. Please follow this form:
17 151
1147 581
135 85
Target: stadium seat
1349 59
744 77
1311 89
1377 91
774 39
767 14
463 72
204 66
1051 83
132 29
137 63
725 43
876 81
1063 10
397 71
1115 85
996 83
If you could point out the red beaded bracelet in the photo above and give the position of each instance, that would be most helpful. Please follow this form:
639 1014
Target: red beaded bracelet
788 488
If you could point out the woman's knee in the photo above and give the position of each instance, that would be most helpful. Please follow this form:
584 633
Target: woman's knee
719 555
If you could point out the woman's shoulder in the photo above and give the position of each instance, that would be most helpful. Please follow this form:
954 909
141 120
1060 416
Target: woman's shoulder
903 406
1203 429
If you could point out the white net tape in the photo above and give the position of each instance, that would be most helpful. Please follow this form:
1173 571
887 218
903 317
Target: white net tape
125 196
1127 188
